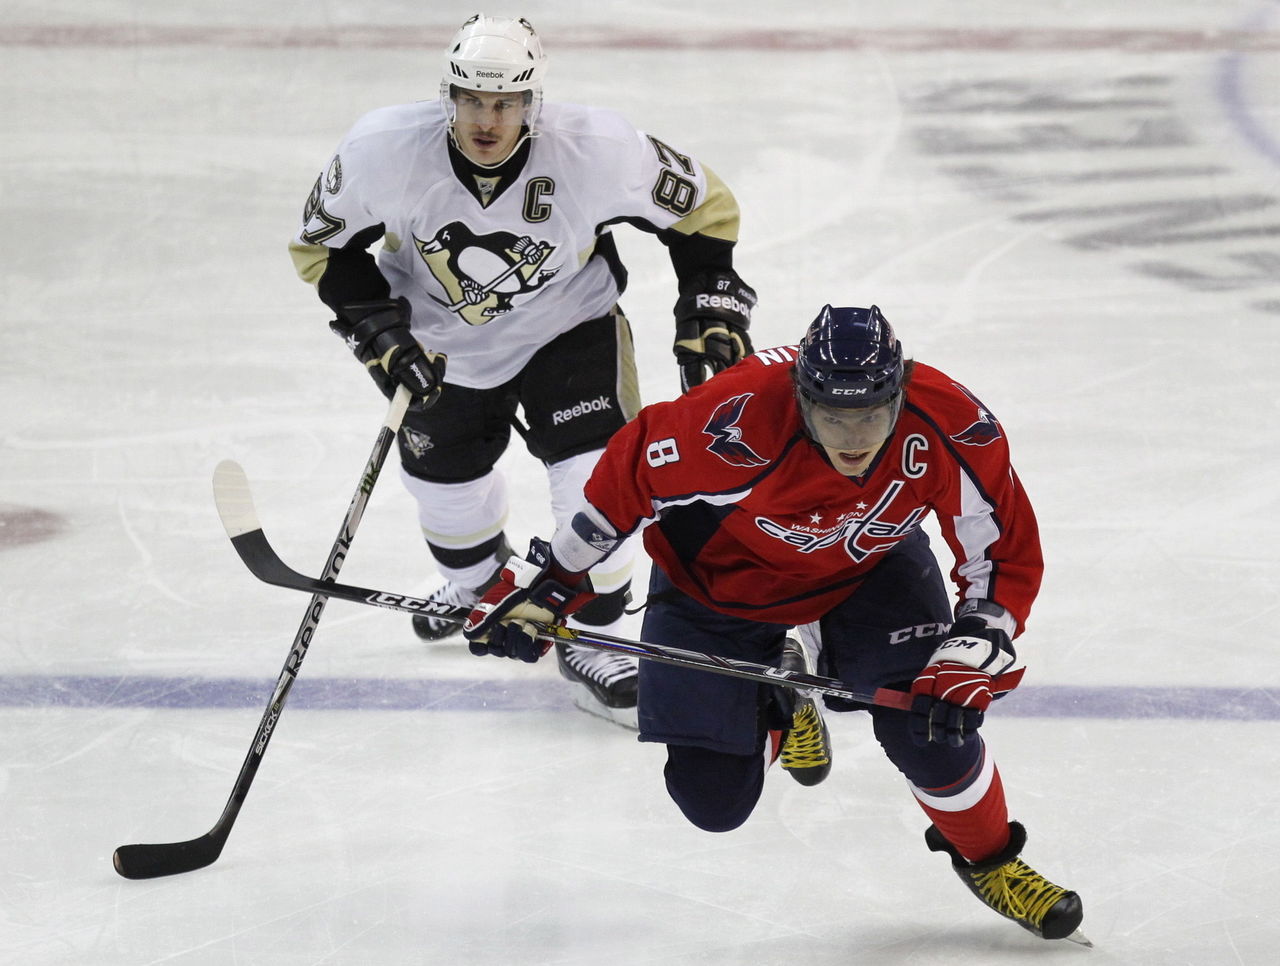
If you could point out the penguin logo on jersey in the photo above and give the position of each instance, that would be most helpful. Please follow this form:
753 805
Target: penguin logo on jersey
982 432
415 442
726 434
483 274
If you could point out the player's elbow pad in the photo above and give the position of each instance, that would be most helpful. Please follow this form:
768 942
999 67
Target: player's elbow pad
587 540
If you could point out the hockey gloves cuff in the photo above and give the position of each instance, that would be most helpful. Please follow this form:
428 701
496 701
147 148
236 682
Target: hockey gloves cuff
713 314
529 595
378 333
951 695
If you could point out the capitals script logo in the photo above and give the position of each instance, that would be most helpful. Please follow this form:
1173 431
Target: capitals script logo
726 434
862 535
984 431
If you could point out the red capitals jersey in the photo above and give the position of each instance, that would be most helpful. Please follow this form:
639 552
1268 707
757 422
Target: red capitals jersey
744 513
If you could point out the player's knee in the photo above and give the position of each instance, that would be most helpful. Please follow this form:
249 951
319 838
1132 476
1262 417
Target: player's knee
930 766
714 790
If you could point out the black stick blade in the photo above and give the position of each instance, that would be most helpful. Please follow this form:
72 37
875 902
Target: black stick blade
171 858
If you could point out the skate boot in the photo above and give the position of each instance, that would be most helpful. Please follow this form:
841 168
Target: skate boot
455 595
806 745
1015 890
451 595
604 683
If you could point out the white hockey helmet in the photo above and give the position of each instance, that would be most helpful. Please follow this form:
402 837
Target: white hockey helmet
495 54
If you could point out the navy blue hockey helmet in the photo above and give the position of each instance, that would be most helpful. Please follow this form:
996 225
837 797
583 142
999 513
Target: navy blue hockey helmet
849 377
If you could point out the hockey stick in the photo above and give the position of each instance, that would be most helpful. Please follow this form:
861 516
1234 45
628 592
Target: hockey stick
171 858
235 506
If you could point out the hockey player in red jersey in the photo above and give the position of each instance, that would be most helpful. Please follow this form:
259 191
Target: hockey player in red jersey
788 491
494 212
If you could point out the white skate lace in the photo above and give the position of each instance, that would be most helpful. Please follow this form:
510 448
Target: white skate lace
603 666
454 595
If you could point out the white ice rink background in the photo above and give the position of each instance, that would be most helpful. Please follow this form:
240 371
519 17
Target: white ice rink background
1071 206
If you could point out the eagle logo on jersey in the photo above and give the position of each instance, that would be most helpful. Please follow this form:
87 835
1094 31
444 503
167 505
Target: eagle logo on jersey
483 274
726 434
984 430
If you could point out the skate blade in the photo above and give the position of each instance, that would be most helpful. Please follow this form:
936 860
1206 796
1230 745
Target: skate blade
585 700
445 636
1079 938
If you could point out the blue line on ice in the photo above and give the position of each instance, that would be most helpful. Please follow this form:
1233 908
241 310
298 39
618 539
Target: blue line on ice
481 694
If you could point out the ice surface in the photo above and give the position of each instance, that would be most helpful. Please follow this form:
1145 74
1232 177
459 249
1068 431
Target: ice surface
1070 206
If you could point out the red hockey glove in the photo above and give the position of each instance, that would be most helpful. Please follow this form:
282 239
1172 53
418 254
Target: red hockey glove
530 592
951 695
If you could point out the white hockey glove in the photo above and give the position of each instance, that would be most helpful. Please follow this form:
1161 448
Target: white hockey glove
530 592
951 695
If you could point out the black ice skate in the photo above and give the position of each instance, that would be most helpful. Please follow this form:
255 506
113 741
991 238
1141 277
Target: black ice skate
455 595
604 683
1015 890
806 745
451 595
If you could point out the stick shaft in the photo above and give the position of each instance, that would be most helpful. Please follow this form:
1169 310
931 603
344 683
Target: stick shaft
262 560
146 861
315 609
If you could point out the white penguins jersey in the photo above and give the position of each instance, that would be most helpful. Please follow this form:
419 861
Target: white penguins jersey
498 269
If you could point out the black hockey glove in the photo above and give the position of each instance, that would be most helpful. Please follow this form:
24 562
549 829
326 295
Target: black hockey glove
378 333
530 592
713 314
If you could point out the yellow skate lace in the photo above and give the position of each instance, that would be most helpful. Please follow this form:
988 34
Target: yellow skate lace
804 747
1018 891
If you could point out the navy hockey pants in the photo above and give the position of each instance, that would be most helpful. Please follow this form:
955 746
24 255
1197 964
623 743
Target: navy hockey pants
715 726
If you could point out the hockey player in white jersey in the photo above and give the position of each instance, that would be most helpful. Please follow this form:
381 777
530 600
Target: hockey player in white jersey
494 297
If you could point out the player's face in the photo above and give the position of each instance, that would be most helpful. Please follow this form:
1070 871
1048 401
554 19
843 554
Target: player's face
851 438
852 462
487 124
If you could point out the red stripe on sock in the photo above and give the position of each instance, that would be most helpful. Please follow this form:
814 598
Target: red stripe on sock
978 832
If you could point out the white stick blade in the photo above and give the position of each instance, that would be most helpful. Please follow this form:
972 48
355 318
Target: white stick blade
233 498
